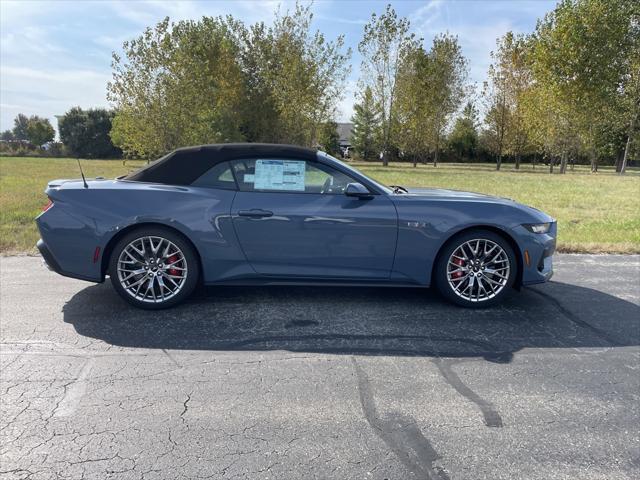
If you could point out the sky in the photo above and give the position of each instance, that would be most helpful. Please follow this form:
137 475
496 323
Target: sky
57 54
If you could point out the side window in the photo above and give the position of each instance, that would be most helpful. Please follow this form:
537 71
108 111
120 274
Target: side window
289 176
218 176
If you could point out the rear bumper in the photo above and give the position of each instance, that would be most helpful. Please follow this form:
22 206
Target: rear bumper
52 263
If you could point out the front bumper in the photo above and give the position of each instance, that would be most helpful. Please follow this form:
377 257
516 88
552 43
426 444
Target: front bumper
537 255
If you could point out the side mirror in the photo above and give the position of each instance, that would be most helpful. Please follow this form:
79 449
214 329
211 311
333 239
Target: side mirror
357 190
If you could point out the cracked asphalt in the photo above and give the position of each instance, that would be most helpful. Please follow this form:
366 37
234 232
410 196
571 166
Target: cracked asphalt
328 383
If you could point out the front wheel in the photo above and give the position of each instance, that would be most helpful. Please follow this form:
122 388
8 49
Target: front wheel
153 268
476 269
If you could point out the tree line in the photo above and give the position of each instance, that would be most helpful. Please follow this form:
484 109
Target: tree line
568 92
83 133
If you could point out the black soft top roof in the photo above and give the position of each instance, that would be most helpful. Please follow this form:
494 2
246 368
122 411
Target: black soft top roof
184 165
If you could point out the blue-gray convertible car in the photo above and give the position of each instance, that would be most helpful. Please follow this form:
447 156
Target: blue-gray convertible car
255 214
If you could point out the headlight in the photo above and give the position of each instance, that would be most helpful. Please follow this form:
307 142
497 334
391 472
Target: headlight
537 227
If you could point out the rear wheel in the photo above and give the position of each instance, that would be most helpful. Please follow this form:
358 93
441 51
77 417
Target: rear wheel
476 269
153 268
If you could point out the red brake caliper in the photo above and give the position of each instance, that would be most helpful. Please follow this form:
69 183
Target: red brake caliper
459 262
170 260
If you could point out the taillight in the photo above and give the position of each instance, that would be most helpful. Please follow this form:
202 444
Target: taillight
48 205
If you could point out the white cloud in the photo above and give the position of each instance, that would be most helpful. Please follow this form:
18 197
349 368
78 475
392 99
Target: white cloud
48 92
149 12
425 17
348 21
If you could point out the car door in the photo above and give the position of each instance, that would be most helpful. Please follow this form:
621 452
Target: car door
293 219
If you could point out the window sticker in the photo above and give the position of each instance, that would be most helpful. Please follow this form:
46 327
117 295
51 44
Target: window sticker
249 178
279 175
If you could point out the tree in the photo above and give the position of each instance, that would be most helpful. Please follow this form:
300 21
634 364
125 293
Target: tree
329 139
178 84
630 94
580 58
384 46
414 113
39 130
294 78
7 136
215 80
366 127
496 93
463 138
446 82
20 124
505 96
518 80
86 133
431 87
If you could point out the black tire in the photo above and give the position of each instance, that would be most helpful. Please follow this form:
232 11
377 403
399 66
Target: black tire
190 259
442 275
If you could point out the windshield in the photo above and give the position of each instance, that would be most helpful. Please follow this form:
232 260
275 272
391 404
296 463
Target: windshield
348 167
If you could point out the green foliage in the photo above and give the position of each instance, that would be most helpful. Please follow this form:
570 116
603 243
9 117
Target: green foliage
432 86
20 124
580 58
179 84
7 136
39 131
365 136
215 80
294 78
329 140
504 92
86 133
463 139
384 48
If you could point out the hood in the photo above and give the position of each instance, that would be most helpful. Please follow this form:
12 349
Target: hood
442 193
418 195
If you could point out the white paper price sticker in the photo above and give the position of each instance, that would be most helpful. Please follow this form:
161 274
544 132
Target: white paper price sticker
279 175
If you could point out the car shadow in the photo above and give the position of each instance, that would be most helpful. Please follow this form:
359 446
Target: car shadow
365 321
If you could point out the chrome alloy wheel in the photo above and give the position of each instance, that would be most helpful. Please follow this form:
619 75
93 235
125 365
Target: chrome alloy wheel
478 270
152 269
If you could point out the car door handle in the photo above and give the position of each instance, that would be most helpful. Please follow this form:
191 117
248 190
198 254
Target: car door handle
255 213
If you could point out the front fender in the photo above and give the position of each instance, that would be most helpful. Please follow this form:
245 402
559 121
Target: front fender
425 225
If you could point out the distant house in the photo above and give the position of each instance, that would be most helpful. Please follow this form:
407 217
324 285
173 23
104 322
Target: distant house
344 131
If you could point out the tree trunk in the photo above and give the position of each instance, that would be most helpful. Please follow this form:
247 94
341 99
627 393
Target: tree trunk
517 161
499 161
435 156
594 161
627 147
534 161
551 162
563 163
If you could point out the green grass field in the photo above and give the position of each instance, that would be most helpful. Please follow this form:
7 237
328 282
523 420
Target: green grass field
596 212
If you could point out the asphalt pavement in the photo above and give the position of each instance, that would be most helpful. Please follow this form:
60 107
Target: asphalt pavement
322 382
